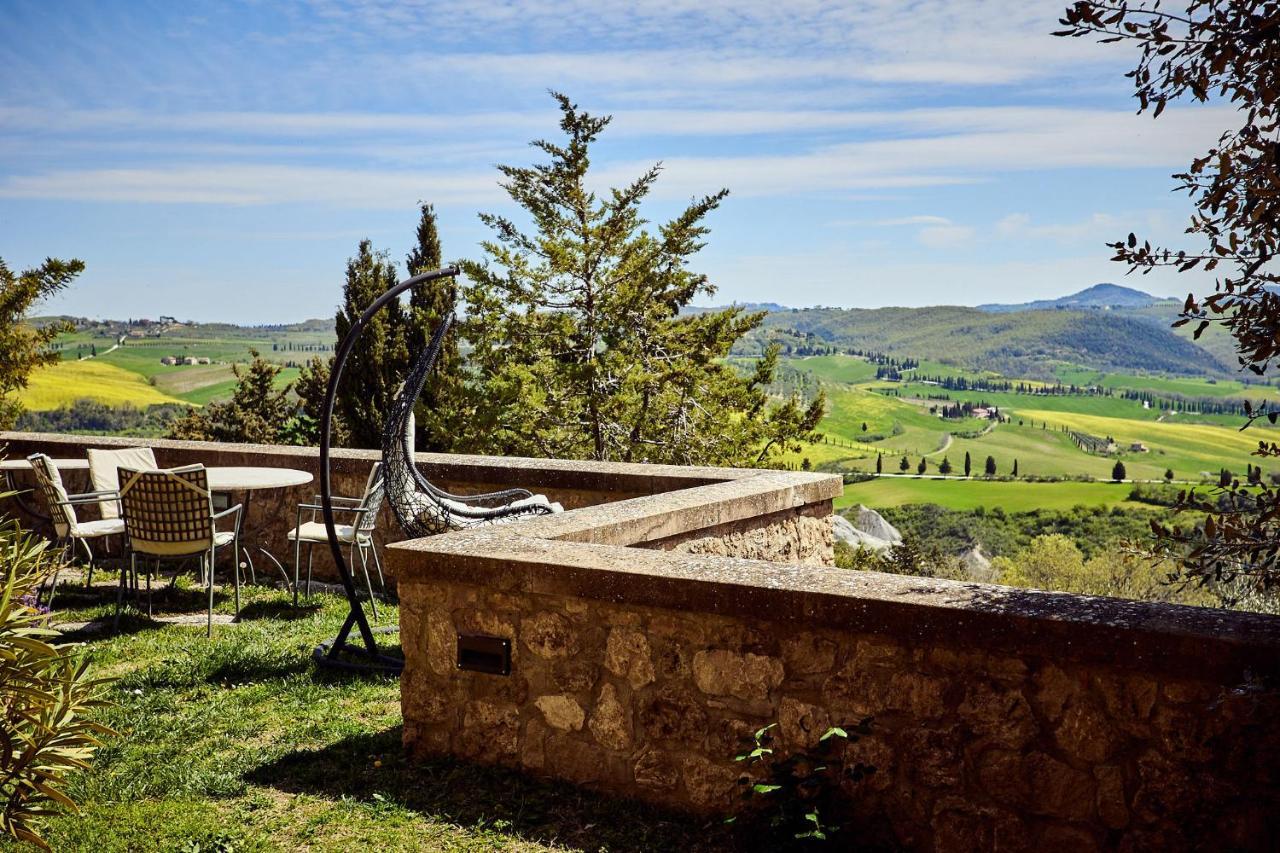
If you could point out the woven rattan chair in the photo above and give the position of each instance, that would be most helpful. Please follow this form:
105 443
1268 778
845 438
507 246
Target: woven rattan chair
169 515
358 534
420 508
69 529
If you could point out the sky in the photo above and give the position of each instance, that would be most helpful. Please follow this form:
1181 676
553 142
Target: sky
221 161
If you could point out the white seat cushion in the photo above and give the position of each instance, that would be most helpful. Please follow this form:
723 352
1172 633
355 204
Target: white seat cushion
315 531
223 537
99 527
103 465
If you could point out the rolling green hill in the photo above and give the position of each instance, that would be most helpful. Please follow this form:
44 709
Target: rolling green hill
1020 343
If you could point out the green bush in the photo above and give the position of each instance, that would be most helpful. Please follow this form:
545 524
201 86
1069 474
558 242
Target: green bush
45 694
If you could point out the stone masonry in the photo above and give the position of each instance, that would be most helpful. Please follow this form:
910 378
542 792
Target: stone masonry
974 749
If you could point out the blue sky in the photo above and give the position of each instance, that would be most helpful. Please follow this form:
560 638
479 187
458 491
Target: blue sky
221 161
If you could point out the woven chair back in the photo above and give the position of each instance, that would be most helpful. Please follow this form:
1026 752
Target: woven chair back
49 479
169 512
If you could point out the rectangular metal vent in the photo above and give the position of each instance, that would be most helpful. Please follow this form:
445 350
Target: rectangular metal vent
477 653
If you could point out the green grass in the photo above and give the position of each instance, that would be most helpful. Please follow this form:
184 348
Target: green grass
238 742
1186 386
971 494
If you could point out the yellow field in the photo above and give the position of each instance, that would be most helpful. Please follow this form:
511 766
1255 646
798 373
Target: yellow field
52 387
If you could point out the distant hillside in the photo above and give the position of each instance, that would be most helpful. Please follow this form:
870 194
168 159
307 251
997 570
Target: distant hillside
1016 343
1103 295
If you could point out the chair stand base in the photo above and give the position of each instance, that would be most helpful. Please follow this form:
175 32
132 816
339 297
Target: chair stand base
327 656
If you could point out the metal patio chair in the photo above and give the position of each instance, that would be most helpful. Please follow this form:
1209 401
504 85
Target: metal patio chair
69 529
168 514
358 535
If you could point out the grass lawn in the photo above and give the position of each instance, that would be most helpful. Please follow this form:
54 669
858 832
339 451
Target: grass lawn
239 743
970 494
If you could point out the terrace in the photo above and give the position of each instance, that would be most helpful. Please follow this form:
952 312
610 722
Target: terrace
639 636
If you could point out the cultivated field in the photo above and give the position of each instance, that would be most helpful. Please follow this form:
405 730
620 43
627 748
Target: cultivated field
869 418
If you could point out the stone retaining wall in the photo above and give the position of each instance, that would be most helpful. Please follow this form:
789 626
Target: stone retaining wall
645 646
974 748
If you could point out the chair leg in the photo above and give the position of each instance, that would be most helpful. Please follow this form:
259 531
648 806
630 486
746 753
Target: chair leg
124 577
148 571
364 565
311 547
89 553
209 559
297 565
235 559
382 584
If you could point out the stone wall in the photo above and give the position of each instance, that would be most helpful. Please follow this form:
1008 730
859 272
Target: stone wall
272 513
975 747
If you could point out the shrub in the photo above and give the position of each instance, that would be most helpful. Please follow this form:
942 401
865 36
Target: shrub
45 694
803 798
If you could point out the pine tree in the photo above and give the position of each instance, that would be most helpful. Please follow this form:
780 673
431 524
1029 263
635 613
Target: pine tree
923 466
968 464
440 404
945 467
990 467
578 346
258 412
23 347
380 358
1118 472
904 465
1168 475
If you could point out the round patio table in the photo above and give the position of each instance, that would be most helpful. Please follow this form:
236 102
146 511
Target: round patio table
249 479
11 467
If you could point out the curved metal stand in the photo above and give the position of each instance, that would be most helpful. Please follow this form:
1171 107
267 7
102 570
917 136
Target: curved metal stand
328 653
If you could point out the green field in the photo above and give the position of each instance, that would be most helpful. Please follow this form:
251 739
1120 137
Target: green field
970 494
1037 435
139 361
61 384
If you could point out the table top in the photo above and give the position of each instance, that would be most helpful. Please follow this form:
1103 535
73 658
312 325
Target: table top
60 464
243 479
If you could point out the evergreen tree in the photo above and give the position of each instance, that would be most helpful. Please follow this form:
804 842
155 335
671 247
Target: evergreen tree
377 364
429 304
920 469
990 467
879 463
945 467
1015 467
23 347
904 465
258 412
578 346
1118 472
1168 475
968 464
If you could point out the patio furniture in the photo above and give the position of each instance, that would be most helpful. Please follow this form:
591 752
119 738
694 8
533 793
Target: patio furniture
10 468
169 514
103 471
357 535
69 529
420 507
250 479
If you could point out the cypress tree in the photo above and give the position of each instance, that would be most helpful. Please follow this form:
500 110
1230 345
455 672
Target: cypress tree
968 464
439 406
990 467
